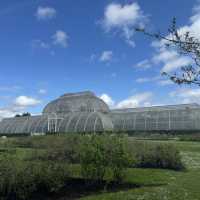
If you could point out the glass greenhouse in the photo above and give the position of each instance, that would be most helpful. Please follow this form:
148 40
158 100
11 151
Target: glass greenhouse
158 118
83 112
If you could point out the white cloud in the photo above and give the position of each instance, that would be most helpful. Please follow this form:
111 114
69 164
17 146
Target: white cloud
19 105
42 91
141 99
137 100
6 112
25 101
176 63
45 13
186 95
106 56
156 79
170 59
119 15
123 18
164 55
150 79
144 64
60 38
106 98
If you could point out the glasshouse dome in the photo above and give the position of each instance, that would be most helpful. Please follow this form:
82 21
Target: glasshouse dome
76 102
84 112
72 112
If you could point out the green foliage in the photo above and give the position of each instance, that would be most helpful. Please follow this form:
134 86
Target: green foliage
51 176
31 165
156 155
192 137
100 153
16 180
93 159
20 180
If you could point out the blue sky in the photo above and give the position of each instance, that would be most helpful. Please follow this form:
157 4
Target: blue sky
52 47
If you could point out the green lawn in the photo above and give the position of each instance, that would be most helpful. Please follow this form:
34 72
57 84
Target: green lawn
163 184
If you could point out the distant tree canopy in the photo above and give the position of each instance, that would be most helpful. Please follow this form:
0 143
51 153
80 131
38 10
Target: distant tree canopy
27 114
185 44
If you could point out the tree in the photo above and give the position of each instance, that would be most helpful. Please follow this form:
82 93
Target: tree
27 114
185 44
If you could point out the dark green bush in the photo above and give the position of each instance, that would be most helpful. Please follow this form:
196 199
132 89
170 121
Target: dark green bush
16 179
20 180
192 137
58 148
65 149
156 155
93 159
51 176
101 153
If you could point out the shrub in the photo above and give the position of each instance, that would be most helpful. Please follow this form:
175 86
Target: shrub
192 137
93 159
157 155
58 148
16 180
20 180
65 148
51 176
101 153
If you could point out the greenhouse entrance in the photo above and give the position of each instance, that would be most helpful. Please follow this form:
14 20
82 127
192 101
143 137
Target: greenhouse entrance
53 123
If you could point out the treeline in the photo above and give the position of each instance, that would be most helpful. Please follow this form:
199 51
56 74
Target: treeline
27 114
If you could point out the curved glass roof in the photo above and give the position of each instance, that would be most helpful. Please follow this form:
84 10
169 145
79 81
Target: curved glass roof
145 120
76 102
73 122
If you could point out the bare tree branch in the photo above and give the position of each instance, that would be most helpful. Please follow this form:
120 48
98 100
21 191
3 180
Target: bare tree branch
185 44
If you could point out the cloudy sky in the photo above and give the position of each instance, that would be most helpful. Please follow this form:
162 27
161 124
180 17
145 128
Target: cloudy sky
52 47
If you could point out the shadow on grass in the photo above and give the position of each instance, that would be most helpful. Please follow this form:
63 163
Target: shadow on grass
76 188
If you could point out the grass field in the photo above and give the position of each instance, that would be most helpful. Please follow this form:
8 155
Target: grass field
163 184
146 184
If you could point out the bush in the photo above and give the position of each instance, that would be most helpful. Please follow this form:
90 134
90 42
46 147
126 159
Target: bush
16 180
93 159
51 176
65 148
157 155
102 153
58 148
20 180
192 137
